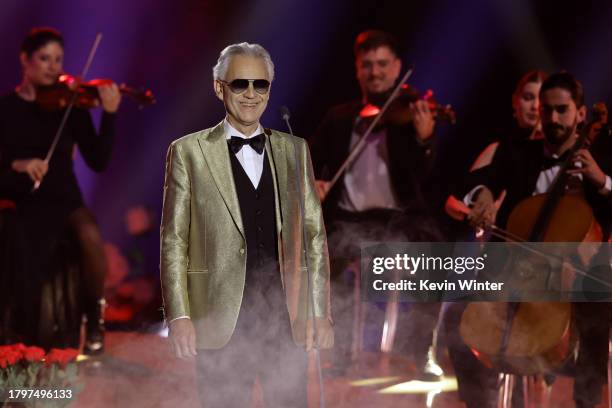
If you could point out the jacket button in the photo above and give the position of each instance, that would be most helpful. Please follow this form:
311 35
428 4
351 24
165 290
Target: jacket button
241 251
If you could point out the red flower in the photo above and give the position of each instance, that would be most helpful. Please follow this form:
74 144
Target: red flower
61 356
3 350
119 313
3 359
71 354
19 347
13 357
9 356
34 353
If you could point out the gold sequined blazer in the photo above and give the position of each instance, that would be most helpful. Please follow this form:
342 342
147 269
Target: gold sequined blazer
203 246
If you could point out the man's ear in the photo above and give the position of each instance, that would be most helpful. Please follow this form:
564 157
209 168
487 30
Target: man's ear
397 67
218 87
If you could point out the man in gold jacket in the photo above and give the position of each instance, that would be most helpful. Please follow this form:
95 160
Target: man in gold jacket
244 262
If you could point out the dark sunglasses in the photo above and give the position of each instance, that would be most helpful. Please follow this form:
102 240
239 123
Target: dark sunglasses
238 86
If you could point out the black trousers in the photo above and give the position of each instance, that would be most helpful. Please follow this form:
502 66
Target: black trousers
261 347
593 322
478 384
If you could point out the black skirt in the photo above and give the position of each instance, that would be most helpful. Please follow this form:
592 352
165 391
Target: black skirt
39 280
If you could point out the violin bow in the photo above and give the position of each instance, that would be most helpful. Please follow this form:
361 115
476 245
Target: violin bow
361 143
60 129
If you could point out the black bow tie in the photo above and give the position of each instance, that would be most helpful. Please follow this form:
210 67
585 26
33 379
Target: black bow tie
549 161
256 142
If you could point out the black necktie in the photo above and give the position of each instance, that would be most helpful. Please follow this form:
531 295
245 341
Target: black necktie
256 142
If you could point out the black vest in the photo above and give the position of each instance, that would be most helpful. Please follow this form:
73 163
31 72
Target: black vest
263 293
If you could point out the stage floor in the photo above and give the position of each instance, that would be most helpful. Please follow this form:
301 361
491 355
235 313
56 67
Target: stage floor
138 370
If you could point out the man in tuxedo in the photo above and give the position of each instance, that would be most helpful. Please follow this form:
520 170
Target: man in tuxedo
529 167
243 246
379 197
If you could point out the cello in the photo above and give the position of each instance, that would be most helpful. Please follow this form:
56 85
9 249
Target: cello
529 338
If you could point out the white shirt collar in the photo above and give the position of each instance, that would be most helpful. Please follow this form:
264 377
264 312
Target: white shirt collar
231 131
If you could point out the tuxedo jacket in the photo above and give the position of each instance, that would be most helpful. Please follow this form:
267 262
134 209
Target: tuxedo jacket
516 167
203 246
409 161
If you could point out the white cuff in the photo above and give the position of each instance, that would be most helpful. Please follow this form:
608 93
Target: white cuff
180 317
469 197
607 187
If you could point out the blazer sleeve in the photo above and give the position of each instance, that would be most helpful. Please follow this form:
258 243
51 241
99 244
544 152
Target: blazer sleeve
420 154
174 235
318 257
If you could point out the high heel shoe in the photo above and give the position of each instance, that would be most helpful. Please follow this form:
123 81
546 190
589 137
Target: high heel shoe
94 331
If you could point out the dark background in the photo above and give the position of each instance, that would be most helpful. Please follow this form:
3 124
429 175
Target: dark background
471 53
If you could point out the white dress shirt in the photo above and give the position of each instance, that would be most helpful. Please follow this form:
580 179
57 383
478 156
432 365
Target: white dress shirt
251 161
367 184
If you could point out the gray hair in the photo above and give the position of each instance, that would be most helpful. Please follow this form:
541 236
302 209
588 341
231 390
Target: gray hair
244 48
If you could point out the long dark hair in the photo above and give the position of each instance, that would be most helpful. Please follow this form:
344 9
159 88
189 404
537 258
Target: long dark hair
39 37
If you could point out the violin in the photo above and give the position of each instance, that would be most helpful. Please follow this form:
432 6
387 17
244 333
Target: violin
70 91
59 95
399 113
399 104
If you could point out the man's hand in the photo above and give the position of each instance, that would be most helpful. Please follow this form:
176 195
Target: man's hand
422 119
322 187
325 333
590 169
110 97
182 338
35 168
484 211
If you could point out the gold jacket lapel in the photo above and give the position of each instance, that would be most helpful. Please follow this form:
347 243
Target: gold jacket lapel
216 154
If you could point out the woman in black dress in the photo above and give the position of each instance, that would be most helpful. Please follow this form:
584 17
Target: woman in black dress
52 261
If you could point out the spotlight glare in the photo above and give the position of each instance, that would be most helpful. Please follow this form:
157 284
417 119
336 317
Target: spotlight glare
422 387
163 332
373 381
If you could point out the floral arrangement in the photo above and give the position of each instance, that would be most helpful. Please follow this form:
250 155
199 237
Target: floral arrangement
23 368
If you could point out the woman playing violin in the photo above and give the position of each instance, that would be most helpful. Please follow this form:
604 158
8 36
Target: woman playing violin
53 213
525 108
